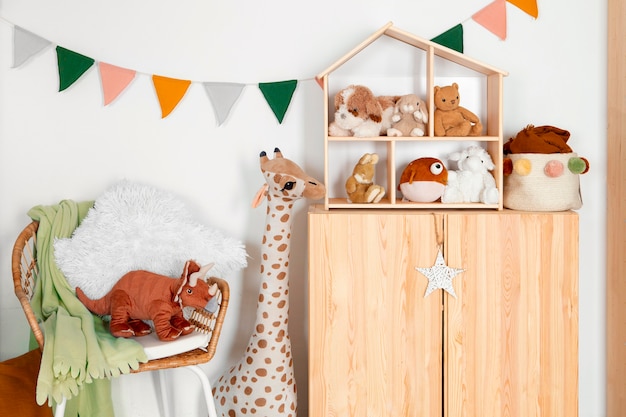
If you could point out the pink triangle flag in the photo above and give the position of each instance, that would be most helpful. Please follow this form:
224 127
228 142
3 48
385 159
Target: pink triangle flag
493 18
114 80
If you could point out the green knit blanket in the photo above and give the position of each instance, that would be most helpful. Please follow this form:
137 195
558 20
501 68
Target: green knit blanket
79 355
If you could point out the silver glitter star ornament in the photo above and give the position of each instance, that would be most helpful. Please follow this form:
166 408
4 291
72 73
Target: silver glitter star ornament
440 276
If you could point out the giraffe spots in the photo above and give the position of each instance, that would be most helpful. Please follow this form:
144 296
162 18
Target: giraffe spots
248 390
233 380
276 324
249 360
281 275
281 408
262 343
231 413
276 294
282 247
278 397
260 402
282 303
260 328
285 218
268 388
268 360
278 237
276 266
261 372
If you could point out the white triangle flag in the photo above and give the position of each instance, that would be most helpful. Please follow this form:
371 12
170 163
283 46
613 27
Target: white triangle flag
223 96
25 45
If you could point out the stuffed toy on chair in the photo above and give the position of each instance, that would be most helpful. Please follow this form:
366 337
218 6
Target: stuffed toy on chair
143 295
358 112
472 182
360 185
451 119
409 117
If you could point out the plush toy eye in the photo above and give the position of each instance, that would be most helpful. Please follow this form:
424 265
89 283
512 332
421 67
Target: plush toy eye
189 291
288 185
443 99
436 168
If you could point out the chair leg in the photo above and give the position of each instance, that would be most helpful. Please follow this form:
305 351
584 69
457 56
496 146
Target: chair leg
206 386
60 408
159 377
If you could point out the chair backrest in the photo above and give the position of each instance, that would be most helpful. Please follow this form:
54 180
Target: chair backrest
25 275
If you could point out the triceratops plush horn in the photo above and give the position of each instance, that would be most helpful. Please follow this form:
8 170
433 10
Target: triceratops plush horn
193 278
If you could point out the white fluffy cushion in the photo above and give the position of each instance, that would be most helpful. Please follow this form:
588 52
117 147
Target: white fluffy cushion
134 226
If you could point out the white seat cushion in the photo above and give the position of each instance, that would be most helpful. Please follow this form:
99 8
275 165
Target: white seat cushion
157 349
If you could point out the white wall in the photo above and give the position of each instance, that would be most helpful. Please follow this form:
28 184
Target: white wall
66 145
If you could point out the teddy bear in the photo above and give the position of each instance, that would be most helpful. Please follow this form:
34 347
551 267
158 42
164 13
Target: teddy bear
472 182
360 185
409 117
358 112
451 119
423 180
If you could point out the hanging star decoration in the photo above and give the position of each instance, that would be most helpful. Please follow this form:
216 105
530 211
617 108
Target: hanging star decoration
440 276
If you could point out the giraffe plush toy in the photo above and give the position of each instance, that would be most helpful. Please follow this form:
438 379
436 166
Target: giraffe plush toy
262 383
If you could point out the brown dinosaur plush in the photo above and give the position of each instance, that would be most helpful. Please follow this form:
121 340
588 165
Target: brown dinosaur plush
143 295
451 119
540 139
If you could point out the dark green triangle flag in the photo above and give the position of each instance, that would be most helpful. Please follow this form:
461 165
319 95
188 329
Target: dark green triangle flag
278 96
71 66
452 38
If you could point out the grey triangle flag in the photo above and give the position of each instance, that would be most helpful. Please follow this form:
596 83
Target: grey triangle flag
223 96
25 45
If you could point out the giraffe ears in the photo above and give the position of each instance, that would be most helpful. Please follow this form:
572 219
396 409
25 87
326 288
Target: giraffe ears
260 195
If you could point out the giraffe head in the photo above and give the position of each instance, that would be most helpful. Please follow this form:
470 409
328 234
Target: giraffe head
286 180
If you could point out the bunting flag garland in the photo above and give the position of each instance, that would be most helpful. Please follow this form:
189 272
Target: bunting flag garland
527 6
25 45
170 92
71 66
223 96
452 38
493 18
278 96
114 80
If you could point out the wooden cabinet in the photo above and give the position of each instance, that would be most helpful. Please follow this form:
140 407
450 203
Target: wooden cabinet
505 346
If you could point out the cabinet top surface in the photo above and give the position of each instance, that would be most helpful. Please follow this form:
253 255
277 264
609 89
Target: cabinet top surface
319 209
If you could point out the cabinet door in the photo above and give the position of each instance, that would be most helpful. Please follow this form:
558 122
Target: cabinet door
374 339
510 338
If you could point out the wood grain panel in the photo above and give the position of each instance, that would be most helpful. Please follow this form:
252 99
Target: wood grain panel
616 211
511 335
375 341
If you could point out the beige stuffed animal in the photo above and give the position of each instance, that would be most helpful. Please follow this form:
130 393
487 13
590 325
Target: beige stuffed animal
409 118
358 112
360 185
450 118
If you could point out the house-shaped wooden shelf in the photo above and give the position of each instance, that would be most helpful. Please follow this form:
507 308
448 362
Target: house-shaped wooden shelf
429 64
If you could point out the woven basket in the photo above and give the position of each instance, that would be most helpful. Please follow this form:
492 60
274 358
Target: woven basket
533 186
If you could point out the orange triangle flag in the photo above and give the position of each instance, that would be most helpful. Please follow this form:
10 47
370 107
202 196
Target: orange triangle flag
528 6
114 80
493 18
170 92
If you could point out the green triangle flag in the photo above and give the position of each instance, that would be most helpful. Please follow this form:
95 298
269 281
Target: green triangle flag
278 96
452 38
71 66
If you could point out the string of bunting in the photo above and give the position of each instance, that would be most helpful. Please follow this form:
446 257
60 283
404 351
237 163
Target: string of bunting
222 95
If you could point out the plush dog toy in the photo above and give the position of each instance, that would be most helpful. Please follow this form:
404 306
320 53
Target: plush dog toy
450 118
143 295
358 112
423 180
360 185
472 182
409 117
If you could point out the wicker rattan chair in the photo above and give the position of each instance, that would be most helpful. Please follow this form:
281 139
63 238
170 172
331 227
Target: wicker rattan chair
161 355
